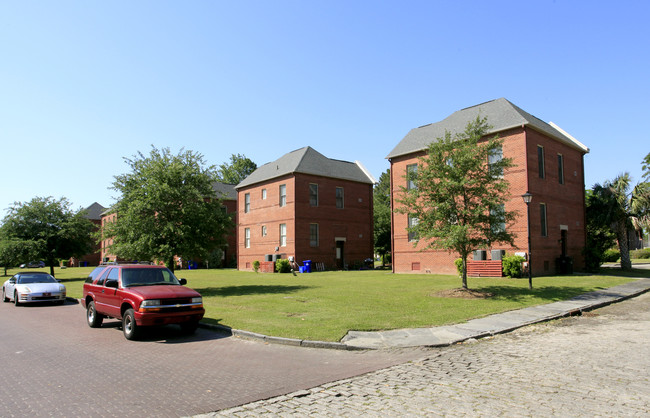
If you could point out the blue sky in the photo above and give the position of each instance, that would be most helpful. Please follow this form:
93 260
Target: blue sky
85 83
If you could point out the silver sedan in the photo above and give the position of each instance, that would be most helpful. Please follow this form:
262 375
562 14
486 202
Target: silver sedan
31 287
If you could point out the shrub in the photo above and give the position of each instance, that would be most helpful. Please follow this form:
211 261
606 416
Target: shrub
611 256
512 265
640 254
256 266
283 266
459 266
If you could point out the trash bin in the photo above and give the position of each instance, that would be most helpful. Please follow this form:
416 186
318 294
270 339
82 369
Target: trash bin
307 266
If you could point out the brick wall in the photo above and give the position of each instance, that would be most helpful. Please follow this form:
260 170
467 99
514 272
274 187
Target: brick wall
564 202
352 224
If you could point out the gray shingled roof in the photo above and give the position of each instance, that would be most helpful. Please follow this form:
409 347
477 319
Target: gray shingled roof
94 211
225 190
500 113
308 161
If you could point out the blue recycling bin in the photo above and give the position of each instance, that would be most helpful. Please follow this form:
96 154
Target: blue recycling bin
307 264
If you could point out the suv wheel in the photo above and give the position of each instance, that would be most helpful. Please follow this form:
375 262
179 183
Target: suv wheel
129 327
92 317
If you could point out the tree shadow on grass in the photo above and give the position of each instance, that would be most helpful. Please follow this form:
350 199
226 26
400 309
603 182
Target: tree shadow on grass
617 272
248 290
547 293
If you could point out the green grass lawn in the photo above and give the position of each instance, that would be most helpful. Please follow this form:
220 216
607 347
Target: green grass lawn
324 306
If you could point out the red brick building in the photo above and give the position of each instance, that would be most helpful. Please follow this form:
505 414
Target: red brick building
309 207
94 214
549 165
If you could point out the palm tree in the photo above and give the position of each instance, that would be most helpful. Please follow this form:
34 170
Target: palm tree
623 210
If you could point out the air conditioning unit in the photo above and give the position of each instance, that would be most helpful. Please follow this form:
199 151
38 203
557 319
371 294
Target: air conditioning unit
480 255
498 254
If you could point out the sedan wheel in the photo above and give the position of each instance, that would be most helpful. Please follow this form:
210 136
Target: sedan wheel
4 296
129 327
16 299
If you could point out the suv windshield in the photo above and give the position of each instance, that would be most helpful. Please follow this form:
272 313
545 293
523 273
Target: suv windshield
147 277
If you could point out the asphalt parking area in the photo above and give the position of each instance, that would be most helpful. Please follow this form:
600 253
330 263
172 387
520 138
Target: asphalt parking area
55 365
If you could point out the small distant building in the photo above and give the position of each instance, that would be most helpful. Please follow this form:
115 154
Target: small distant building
306 206
549 165
94 214
228 194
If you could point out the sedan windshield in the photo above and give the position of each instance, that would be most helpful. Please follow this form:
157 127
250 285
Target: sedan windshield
35 278
147 277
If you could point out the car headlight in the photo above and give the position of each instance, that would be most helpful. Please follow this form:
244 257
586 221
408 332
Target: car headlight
26 289
197 300
61 288
150 303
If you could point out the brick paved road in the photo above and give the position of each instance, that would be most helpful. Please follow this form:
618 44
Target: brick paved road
595 365
53 364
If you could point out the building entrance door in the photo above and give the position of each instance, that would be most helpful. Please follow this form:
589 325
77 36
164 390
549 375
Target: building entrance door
340 255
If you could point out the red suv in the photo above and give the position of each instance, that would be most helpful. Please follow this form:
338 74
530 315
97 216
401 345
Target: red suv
140 295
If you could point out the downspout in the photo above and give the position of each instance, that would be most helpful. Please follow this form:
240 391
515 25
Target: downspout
392 220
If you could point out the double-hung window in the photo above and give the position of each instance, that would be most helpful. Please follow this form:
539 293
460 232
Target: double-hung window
313 235
313 194
283 195
540 161
247 202
339 198
542 219
560 168
283 235
411 173
247 237
412 223
495 156
497 214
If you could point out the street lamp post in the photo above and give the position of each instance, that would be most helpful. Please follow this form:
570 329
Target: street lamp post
527 199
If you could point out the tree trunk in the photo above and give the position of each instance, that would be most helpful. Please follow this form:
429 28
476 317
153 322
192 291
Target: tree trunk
623 247
464 272
170 264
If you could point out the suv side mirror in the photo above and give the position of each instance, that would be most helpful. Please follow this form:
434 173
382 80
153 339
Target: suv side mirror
183 282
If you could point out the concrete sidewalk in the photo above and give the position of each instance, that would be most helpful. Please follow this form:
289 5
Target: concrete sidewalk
494 324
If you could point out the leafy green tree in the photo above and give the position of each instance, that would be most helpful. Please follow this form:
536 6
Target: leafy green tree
600 237
622 210
239 168
46 229
14 251
382 212
645 165
167 208
459 194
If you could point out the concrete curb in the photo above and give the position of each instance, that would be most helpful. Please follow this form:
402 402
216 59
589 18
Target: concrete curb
253 336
